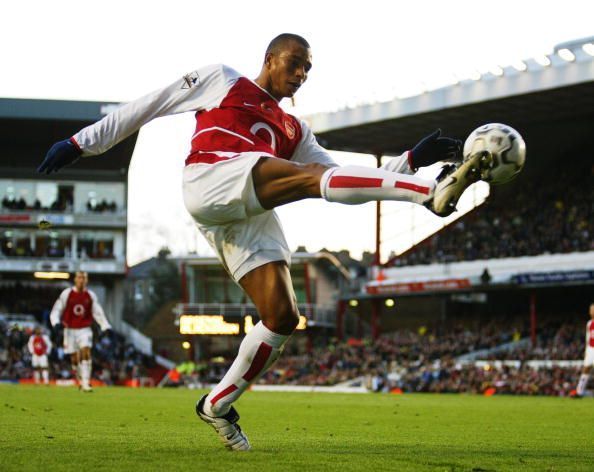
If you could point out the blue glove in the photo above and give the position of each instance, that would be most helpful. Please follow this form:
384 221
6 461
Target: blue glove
61 154
433 148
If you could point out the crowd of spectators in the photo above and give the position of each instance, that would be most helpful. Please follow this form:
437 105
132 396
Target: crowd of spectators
555 341
63 204
101 207
426 362
540 217
114 360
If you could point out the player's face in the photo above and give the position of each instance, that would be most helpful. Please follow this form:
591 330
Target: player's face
592 311
80 281
288 69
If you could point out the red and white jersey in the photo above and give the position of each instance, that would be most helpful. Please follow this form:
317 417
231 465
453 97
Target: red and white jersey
39 345
233 115
76 310
590 333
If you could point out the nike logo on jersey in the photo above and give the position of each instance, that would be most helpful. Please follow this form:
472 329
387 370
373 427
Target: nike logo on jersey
249 104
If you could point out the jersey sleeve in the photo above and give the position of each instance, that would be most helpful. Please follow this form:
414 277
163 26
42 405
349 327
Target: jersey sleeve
201 89
30 345
48 344
98 313
58 308
309 151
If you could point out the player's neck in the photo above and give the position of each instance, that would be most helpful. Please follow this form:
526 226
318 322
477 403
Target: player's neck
265 84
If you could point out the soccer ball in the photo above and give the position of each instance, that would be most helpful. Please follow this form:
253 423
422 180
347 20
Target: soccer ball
507 147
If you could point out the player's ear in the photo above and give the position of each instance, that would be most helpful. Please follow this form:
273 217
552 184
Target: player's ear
268 59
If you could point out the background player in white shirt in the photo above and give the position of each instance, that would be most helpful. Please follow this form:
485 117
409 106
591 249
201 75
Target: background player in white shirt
75 309
39 346
248 157
589 355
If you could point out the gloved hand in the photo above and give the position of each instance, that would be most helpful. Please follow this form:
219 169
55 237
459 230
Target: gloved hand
433 148
61 154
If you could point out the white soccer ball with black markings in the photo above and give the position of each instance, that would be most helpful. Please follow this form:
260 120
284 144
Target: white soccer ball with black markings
507 147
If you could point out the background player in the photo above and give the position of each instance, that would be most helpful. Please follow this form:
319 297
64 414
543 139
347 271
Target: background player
39 346
247 157
75 309
589 356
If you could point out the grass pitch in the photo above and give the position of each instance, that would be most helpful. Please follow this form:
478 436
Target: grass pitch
53 428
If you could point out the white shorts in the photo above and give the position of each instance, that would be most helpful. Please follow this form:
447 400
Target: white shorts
39 361
589 357
77 338
222 200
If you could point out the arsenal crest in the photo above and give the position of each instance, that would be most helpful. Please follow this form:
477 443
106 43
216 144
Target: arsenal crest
290 129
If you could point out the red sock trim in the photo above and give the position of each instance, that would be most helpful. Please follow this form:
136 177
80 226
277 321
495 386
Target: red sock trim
346 181
223 393
410 160
259 362
413 187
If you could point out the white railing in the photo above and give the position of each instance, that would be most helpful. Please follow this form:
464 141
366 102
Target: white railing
317 315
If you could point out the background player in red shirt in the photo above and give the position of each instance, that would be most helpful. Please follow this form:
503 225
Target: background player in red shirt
75 309
39 346
589 355
248 157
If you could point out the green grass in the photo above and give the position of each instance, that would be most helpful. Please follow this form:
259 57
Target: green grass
55 428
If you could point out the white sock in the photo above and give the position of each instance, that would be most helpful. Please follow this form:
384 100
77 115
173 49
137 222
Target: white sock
356 184
85 372
581 387
258 351
45 374
36 376
400 164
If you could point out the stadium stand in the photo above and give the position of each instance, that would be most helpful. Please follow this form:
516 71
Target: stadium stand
543 219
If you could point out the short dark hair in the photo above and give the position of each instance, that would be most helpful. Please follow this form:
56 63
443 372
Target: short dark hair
283 39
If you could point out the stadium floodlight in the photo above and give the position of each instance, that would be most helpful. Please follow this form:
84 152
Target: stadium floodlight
354 303
566 55
588 48
186 345
497 71
520 66
389 302
51 275
543 60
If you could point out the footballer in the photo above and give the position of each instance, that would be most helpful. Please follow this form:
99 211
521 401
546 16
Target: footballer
248 156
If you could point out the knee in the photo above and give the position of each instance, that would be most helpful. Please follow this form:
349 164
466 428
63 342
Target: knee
283 320
313 174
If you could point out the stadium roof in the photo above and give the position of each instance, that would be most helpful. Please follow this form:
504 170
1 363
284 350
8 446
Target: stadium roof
549 99
30 127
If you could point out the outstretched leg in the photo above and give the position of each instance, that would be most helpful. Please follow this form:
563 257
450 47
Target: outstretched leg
278 182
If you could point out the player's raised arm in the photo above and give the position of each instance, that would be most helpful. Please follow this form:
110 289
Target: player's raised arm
200 89
99 314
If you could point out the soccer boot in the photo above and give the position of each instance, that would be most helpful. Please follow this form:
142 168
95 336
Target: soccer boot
226 427
86 388
452 182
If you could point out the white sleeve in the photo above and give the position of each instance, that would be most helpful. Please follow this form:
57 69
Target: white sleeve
30 344
201 89
58 309
400 164
48 343
309 151
98 313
